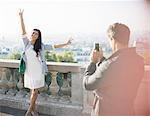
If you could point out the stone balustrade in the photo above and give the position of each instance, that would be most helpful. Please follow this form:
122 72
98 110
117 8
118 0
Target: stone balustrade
62 94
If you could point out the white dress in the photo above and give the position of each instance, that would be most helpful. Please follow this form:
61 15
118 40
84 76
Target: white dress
33 77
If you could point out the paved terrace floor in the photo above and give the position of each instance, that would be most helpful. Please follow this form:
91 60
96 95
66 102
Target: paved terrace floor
7 111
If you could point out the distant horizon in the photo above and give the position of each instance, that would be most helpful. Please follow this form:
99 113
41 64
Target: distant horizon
71 18
60 37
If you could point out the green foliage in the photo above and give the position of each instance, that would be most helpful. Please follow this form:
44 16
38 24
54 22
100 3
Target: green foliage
65 56
50 56
14 55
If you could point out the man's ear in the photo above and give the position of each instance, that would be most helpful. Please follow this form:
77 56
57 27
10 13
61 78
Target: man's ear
111 38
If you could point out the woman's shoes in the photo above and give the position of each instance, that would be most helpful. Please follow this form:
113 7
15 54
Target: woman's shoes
34 113
28 113
31 113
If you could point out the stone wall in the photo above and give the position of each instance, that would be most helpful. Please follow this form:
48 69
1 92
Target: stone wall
62 94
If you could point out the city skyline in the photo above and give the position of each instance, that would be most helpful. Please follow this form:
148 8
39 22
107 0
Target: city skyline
71 17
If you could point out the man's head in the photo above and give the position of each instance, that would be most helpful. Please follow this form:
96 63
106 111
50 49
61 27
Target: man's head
119 35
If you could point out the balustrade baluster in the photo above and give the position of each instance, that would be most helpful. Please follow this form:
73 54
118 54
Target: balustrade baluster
3 82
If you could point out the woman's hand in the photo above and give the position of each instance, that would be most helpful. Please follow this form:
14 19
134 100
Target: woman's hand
22 22
21 12
65 44
69 41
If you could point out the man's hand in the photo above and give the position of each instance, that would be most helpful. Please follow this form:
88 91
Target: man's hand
96 56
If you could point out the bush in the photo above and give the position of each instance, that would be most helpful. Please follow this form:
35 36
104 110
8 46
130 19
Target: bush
15 55
65 56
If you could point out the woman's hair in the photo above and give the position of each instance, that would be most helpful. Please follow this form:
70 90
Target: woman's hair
38 42
119 32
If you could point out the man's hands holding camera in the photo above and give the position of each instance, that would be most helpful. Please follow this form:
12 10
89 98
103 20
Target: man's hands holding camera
96 56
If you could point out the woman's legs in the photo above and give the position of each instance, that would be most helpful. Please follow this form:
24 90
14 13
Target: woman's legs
33 97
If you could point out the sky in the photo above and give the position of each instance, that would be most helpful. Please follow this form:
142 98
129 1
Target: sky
81 16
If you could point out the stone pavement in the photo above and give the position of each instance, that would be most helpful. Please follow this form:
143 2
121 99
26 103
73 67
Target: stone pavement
5 114
7 111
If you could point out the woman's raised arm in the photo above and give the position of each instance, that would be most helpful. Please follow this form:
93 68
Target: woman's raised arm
22 22
65 44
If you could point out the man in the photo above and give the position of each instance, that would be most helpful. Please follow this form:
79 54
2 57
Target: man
115 81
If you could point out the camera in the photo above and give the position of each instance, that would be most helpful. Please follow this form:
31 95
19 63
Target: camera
96 46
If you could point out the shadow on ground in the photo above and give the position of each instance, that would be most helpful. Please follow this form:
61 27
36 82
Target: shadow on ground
15 112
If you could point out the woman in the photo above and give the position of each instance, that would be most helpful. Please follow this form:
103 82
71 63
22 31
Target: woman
35 63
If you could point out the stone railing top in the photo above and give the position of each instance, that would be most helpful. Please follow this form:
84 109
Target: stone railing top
52 66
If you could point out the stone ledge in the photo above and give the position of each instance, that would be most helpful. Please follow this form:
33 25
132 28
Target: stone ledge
52 66
44 107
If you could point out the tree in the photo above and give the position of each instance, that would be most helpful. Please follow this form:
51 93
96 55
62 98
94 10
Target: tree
15 55
65 56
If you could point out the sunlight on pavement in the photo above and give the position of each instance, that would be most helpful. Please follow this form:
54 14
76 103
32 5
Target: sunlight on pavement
4 114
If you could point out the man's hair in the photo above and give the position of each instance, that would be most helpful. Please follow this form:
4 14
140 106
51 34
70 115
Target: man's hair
119 32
